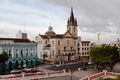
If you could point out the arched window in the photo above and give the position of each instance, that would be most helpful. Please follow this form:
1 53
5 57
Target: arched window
59 43
21 52
10 53
45 42
52 53
58 52
53 43
31 52
64 48
16 52
26 52
67 42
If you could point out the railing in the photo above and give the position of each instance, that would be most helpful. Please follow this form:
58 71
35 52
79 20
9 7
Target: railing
101 74
34 75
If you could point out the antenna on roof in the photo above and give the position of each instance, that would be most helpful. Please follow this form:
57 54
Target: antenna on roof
24 26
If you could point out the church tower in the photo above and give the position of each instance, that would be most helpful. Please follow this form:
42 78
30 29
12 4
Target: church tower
72 24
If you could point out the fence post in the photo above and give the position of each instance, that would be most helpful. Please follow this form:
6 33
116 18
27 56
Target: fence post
105 72
64 71
78 69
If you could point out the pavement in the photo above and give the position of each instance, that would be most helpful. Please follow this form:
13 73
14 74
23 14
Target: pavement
59 78
76 74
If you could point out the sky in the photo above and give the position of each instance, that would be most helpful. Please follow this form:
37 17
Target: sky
35 16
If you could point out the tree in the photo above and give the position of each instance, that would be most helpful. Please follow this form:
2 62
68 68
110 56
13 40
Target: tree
104 56
3 57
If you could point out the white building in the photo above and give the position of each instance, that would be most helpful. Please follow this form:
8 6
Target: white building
21 35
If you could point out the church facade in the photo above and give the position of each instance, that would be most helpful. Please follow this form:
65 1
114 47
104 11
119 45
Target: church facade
65 47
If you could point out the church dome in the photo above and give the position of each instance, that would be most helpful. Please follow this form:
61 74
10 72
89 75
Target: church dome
50 31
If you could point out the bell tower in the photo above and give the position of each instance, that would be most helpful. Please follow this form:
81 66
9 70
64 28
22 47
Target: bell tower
72 24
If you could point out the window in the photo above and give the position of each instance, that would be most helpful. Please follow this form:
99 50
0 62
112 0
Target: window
16 52
10 53
74 42
31 51
21 52
41 42
78 44
26 52
78 49
45 42
87 53
59 43
87 44
82 44
53 43
52 53
64 48
3 50
67 42
16 55
71 48
58 52
31 54
74 29
82 53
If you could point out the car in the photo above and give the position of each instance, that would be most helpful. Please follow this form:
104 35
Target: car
91 64
15 71
26 69
39 72
84 68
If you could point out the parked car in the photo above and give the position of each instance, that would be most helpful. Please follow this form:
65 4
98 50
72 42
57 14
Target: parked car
91 64
26 69
15 71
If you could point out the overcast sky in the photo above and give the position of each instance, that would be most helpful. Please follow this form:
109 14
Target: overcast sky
35 16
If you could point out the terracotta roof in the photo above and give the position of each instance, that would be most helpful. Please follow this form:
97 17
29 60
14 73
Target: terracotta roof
16 39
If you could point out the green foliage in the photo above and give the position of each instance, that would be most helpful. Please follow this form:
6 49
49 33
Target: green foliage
118 77
105 55
3 57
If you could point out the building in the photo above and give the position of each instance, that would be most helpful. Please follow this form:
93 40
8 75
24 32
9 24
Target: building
22 52
116 43
61 47
21 35
84 50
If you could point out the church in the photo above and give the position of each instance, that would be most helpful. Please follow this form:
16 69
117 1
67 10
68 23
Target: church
66 47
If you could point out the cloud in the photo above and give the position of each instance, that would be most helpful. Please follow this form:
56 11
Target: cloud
93 13
10 30
94 16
